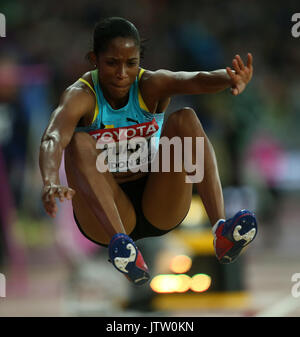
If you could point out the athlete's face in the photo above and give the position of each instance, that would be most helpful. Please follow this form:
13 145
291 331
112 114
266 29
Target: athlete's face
118 66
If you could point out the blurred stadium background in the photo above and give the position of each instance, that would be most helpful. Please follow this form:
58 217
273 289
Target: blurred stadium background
50 268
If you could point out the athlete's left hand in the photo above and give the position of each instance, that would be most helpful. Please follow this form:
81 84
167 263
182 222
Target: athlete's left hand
241 75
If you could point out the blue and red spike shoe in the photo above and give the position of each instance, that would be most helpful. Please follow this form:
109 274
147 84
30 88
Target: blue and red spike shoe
232 235
126 258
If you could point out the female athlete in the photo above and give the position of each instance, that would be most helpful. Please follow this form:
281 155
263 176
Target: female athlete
114 206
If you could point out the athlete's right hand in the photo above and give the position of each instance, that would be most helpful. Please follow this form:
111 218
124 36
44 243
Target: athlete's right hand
52 191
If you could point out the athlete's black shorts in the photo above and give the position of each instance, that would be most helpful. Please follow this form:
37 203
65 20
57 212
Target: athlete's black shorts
143 228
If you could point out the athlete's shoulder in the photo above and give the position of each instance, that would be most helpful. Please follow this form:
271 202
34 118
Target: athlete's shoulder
85 83
81 88
79 93
152 84
155 77
87 77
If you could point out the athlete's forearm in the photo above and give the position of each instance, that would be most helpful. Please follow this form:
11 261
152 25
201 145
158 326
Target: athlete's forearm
213 81
50 160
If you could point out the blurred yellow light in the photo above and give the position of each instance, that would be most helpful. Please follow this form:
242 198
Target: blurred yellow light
170 283
196 215
164 283
181 283
180 264
200 282
184 282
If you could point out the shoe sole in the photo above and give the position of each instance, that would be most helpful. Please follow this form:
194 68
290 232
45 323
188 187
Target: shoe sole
240 240
127 264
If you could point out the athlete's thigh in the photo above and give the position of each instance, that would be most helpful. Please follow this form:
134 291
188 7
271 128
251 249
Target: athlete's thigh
88 222
167 197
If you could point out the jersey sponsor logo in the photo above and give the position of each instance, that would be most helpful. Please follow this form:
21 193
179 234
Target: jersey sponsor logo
109 135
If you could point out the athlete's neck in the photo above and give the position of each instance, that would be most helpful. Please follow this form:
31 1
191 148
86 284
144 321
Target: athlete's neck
115 102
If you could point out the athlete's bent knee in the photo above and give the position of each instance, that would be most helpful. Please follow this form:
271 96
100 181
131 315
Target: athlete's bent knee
80 138
82 142
183 118
82 149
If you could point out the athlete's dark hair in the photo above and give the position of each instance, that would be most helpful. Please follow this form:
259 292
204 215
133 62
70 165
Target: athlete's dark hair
110 28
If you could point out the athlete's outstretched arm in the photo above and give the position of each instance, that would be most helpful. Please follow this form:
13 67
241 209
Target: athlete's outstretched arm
168 83
74 104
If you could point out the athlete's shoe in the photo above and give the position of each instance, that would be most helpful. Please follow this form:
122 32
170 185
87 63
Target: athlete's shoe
126 258
232 235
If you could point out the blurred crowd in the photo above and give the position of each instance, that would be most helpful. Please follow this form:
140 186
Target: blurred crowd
255 135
